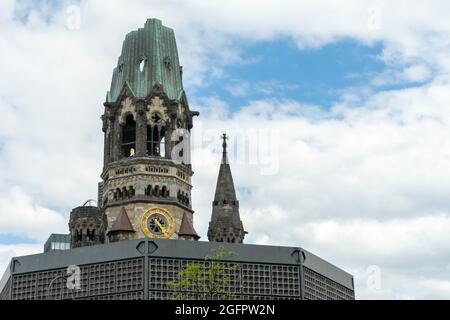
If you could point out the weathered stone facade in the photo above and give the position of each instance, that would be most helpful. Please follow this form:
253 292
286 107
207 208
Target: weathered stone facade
87 226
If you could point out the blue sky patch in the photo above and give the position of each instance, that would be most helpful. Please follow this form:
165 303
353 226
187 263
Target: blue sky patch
7 238
279 69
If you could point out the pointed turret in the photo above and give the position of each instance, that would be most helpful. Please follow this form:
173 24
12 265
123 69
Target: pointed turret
121 228
225 224
187 231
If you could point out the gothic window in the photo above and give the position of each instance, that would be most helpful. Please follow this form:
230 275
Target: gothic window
129 137
90 234
78 236
164 191
183 197
155 136
142 62
118 194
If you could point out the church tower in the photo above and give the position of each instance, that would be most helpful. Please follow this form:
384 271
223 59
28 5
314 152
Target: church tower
87 226
146 187
225 224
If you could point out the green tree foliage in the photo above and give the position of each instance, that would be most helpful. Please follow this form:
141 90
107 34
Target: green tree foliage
208 279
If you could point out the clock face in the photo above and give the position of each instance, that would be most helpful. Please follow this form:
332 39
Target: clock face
157 223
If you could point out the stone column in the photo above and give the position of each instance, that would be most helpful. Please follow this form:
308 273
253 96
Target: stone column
141 130
108 123
117 139
105 140
170 127
152 125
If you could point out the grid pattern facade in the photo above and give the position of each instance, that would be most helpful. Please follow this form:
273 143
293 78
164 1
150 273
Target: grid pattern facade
246 281
124 280
104 281
318 287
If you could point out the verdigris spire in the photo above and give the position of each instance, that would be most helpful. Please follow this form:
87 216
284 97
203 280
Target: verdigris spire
149 57
225 224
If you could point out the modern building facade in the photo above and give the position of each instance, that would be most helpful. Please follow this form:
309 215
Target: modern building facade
141 233
57 241
142 269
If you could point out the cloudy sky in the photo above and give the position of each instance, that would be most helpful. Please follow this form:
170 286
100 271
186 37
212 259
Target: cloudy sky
345 106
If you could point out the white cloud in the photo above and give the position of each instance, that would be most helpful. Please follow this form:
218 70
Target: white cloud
20 215
417 73
374 168
412 74
358 185
238 89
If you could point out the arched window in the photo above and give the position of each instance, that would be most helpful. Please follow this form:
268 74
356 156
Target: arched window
155 136
118 194
90 234
78 235
156 191
148 190
129 137
131 192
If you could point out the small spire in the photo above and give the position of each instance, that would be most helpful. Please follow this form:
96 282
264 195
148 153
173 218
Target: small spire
122 223
225 224
187 229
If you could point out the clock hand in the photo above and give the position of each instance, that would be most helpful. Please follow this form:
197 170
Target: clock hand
161 227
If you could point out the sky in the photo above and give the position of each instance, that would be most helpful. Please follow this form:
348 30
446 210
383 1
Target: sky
338 115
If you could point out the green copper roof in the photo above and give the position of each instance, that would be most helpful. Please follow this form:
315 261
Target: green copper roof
149 57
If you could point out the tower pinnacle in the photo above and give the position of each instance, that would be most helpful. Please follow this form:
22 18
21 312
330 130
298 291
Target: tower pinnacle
225 224
224 146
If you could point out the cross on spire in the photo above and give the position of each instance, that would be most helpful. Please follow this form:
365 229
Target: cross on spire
224 144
